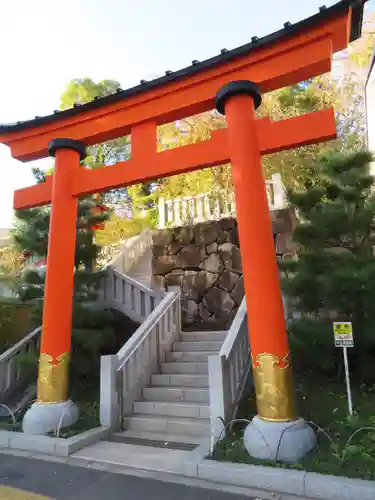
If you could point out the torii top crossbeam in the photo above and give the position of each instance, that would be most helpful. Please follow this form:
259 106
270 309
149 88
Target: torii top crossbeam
293 54
283 58
288 56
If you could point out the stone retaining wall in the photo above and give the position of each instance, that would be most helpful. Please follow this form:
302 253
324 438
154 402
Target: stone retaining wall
205 261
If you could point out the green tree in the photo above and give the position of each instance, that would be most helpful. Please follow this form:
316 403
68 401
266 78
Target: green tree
361 50
81 91
93 331
334 275
216 180
30 235
143 214
342 89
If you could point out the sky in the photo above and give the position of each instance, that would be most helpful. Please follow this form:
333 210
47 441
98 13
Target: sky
46 43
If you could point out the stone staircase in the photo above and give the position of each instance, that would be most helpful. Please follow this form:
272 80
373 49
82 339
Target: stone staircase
174 407
166 388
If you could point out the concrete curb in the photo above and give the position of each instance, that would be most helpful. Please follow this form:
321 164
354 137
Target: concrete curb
196 467
262 482
284 481
50 445
254 476
269 480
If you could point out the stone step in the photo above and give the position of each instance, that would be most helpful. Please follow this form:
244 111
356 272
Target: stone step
203 336
190 357
175 394
171 425
122 455
214 346
179 380
197 368
160 436
169 409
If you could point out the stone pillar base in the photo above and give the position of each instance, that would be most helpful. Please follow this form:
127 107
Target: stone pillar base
282 441
42 418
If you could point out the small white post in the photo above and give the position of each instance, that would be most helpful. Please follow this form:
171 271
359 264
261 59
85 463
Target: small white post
184 210
226 210
161 224
191 203
347 378
169 211
278 192
200 217
217 208
109 396
220 396
232 204
207 207
177 211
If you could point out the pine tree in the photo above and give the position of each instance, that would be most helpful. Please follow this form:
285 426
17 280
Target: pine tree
30 235
93 331
335 270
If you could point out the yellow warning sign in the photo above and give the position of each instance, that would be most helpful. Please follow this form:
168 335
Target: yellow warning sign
343 334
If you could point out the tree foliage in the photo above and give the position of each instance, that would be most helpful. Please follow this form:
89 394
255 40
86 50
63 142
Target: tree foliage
30 234
334 275
343 89
93 332
191 130
81 91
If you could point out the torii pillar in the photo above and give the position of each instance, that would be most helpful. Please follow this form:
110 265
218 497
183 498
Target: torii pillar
276 421
53 408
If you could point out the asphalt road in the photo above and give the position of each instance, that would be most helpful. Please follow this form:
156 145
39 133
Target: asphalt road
32 479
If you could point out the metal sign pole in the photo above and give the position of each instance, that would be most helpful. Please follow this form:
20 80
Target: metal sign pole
347 378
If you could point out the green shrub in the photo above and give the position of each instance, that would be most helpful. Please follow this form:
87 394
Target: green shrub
334 275
15 322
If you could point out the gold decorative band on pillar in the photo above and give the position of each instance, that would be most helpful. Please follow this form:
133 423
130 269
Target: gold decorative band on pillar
53 378
273 382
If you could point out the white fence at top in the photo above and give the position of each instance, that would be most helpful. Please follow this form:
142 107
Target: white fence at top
204 207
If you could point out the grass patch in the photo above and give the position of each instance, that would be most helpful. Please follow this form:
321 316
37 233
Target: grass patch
85 376
88 417
87 398
6 424
323 402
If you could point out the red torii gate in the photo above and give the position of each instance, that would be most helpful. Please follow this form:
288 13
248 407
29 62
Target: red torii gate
291 55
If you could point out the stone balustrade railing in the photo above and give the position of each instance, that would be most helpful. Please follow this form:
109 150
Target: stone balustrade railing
125 374
204 207
124 255
228 372
117 291
13 372
126 295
